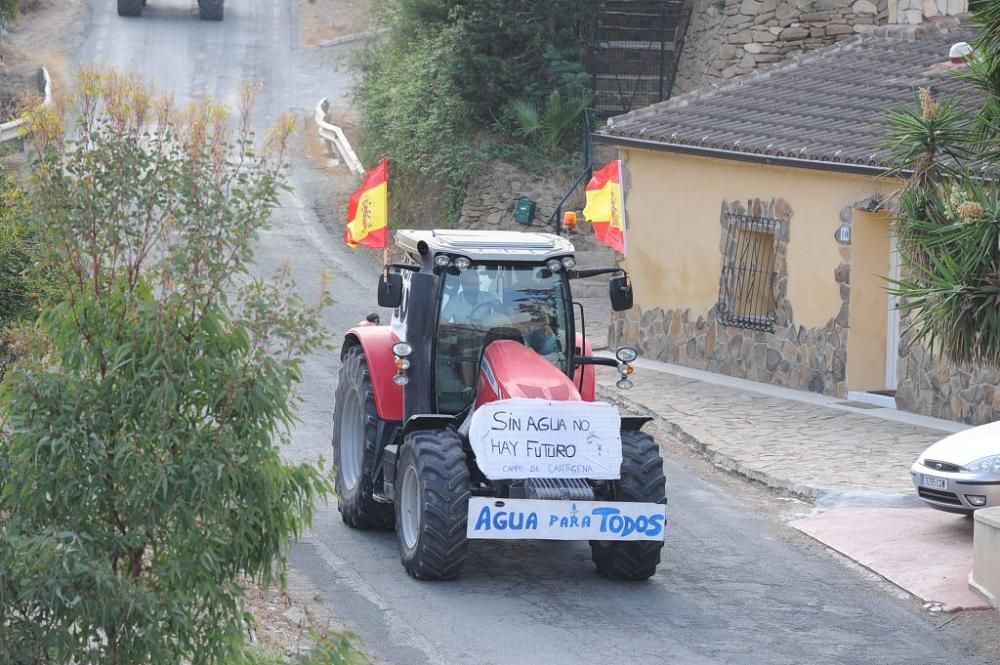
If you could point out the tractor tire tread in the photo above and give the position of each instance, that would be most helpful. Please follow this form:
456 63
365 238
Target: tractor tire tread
442 545
642 480
359 509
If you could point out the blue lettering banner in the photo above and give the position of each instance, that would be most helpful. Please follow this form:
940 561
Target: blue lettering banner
517 519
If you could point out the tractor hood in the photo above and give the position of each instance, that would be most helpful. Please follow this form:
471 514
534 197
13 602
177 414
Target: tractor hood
511 370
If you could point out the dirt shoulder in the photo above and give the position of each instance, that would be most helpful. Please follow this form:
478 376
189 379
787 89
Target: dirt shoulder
323 20
45 36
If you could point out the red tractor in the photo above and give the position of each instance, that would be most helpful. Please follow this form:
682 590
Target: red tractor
472 414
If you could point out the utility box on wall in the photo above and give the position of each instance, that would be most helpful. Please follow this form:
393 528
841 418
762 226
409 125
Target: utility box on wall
524 211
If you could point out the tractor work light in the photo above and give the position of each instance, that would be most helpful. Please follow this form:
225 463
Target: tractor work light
442 261
626 354
400 379
401 349
554 265
568 262
462 263
624 384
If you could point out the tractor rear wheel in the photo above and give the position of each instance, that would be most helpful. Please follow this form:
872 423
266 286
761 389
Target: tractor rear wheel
211 10
641 481
355 445
130 7
432 503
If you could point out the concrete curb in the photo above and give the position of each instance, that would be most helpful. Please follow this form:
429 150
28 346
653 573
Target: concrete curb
711 453
15 128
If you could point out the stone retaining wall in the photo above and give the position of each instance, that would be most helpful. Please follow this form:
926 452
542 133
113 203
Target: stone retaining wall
729 38
493 193
812 359
931 386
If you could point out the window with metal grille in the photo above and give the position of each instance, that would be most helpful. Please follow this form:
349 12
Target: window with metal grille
746 293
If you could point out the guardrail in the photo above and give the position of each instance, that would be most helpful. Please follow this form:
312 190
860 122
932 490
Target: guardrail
334 136
15 128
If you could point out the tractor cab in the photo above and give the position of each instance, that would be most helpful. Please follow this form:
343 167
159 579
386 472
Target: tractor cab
490 286
481 387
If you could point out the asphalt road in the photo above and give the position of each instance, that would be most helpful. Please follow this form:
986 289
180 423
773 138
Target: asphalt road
734 586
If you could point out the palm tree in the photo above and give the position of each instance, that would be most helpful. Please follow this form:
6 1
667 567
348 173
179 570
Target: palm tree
948 221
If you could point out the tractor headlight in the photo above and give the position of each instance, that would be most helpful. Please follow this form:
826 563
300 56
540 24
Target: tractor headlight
554 265
624 384
400 379
462 263
401 349
568 262
442 261
626 354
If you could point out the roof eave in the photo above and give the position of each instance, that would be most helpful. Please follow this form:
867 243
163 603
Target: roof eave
736 155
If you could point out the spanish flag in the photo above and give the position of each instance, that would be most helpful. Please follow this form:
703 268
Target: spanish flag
606 206
368 210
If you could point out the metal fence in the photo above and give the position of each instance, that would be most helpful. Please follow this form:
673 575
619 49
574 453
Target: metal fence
635 51
747 291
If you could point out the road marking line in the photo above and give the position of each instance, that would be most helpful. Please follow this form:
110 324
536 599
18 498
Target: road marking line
399 628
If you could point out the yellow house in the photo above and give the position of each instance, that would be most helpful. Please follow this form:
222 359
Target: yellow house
759 234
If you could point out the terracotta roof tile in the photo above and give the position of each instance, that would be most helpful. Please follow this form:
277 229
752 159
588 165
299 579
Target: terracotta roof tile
826 106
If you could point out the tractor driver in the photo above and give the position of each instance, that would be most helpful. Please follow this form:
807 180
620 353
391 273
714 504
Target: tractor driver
470 304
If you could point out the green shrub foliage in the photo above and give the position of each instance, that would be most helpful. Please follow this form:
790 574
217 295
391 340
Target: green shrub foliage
142 424
452 76
948 221
24 284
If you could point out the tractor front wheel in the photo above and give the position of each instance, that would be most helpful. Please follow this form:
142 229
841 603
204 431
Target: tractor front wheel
432 503
641 481
130 7
355 424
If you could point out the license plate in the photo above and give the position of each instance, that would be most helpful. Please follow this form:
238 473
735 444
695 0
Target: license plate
933 482
533 519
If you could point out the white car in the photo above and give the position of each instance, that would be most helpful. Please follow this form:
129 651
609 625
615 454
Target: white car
961 473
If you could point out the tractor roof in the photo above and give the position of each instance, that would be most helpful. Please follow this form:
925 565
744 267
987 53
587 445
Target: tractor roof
486 245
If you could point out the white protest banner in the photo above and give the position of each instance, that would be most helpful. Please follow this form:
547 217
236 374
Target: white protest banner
520 519
537 438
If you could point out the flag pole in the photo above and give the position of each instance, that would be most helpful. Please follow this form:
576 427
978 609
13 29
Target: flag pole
385 249
622 187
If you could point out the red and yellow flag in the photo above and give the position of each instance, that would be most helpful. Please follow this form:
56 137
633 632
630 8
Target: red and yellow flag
368 211
606 206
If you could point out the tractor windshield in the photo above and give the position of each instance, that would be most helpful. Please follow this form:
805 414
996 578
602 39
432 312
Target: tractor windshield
523 303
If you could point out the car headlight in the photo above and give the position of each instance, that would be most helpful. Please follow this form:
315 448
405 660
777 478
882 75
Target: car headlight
989 464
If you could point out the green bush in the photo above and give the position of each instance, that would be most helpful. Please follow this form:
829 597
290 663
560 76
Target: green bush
8 10
441 91
414 116
948 219
24 286
142 423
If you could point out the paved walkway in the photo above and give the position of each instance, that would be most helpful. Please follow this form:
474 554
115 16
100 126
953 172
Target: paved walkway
812 446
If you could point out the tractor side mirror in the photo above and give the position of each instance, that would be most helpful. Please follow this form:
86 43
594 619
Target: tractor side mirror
621 293
390 290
